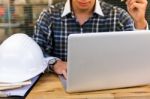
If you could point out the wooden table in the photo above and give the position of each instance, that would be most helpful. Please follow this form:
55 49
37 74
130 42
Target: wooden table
49 87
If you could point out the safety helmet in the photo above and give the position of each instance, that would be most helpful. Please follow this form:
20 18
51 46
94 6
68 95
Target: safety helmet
20 59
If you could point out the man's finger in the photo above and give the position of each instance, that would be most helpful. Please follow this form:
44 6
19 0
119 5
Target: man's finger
129 2
134 6
64 74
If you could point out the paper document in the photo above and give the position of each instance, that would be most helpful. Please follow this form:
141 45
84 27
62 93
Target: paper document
14 84
8 86
19 91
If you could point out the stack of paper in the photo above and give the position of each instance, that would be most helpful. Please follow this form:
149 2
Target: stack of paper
7 86
17 89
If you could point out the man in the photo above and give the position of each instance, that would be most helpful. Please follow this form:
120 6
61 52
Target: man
81 16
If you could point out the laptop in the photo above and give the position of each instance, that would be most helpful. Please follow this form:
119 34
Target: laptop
107 60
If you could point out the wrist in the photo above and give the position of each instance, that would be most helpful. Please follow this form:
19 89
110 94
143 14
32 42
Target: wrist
141 24
52 63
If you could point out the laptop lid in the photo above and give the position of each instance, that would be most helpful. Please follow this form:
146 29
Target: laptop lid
108 60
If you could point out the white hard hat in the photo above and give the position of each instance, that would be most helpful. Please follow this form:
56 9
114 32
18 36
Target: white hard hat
20 59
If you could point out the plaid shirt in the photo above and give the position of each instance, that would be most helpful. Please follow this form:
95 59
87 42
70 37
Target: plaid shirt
58 21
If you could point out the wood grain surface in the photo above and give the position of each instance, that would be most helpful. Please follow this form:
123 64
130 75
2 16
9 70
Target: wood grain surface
50 87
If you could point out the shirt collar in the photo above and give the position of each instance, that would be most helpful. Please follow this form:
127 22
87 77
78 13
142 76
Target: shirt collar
67 8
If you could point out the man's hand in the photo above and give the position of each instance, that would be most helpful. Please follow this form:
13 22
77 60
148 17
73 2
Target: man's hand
61 68
137 10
